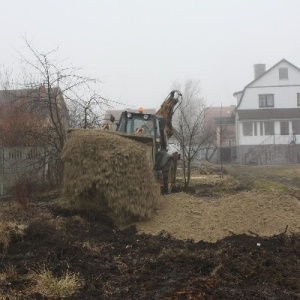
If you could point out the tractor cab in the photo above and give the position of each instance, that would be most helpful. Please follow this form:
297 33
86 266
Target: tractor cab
142 126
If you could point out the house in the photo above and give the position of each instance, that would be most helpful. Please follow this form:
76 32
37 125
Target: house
219 125
268 116
27 134
222 119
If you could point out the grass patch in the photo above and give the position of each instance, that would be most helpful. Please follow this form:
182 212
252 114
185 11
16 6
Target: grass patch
265 184
49 286
291 171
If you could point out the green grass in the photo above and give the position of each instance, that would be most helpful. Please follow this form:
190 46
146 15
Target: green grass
265 184
291 171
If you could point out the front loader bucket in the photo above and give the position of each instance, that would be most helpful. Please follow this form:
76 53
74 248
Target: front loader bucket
148 140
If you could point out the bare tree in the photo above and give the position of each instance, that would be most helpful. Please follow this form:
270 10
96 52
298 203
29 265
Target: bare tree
189 125
49 94
87 110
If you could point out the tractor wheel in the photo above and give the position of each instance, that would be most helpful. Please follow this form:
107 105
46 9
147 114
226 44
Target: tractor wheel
168 177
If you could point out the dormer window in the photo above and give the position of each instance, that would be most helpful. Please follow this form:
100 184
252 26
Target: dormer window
283 73
266 100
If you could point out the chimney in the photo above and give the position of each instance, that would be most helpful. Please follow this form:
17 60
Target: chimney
259 69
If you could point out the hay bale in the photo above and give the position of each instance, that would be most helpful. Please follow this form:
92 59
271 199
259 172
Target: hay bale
107 169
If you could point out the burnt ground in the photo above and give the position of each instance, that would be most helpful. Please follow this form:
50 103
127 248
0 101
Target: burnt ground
121 264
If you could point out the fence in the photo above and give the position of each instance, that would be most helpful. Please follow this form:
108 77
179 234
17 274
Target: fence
31 163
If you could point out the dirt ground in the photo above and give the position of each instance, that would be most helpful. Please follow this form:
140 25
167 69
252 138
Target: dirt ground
259 213
231 237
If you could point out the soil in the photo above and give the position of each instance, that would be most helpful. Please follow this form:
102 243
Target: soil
258 213
243 243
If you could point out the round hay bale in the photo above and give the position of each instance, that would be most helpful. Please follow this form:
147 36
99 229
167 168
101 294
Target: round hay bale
106 169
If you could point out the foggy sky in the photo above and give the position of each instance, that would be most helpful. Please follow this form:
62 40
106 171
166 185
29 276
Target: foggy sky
139 48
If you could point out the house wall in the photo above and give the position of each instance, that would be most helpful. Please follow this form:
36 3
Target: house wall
271 78
265 139
259 147
284 96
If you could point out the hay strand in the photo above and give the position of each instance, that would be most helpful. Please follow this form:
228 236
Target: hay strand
107 169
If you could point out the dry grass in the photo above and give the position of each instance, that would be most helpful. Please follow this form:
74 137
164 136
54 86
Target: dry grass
94 246
49 286
265 184
9 274
23 190
4 237
106 170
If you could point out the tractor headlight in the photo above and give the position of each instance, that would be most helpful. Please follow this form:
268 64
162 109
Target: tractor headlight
129 115
146 117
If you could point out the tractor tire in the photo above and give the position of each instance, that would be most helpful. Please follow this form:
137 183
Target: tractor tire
169 176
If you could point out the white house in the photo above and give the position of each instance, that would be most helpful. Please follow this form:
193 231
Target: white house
268 116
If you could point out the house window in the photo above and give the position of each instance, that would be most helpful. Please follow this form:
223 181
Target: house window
283 73
266 100
284 128
298 99
269 128
247 129
296 127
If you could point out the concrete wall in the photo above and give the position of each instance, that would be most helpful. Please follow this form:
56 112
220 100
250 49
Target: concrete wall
18 163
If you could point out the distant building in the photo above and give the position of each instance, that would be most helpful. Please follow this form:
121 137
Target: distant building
268 116
25 126
219 126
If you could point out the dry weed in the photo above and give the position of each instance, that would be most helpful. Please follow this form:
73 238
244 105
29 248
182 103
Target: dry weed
49 286
11 272
96 247
2 277
4 237
80 220
23 189
90 246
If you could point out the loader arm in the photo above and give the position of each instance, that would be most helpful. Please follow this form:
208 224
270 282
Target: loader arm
167 110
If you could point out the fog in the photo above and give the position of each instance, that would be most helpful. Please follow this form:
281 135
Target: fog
139 48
